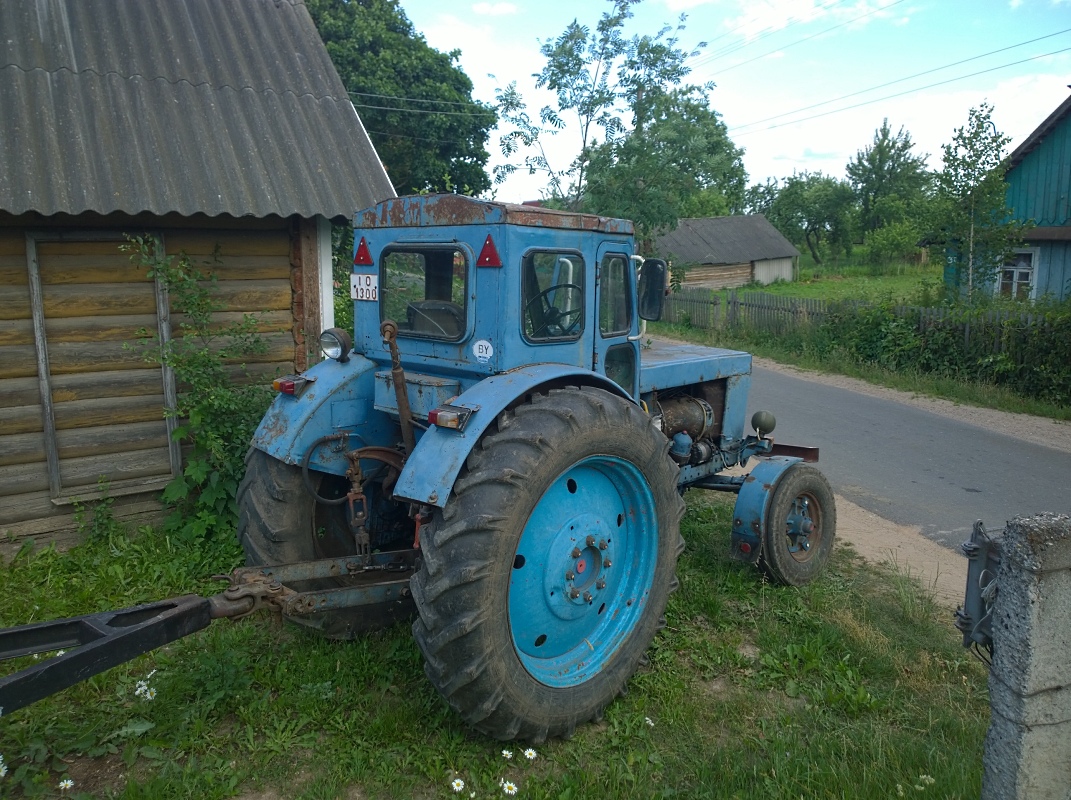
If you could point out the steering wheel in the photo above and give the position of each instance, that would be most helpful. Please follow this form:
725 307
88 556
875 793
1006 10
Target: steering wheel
552 315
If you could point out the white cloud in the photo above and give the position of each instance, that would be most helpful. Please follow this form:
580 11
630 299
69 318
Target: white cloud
494 9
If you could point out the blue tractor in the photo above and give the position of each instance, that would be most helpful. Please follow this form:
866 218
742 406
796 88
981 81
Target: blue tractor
500 427
500 447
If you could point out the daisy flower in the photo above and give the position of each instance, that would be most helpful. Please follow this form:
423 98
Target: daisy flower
66 784
457 784
509 787
507 754
530 754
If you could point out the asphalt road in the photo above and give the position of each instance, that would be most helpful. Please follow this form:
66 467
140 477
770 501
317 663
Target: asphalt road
912 466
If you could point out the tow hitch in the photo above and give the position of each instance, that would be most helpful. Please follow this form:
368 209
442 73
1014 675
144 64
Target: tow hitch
94 643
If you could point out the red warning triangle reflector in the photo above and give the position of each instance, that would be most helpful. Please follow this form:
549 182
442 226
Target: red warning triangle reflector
362 257
489 255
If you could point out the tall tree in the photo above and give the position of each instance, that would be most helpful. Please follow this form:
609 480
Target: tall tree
815 210
599 77
973 219
415 102
681 163
884 170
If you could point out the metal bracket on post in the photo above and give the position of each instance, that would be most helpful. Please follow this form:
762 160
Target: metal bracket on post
974 619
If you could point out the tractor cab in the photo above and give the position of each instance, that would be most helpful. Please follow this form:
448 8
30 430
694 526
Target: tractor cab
478 288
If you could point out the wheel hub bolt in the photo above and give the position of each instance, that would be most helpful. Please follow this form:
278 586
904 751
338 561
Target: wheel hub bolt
602 544
590 541
606 563
570 575
600 584
576 552
574 593
587 597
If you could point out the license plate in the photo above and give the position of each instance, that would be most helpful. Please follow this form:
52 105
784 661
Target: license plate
364 287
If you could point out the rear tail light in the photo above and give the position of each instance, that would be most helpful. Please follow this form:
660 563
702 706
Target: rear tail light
290 384
455 417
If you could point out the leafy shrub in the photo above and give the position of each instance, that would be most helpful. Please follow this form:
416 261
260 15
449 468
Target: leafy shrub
216 415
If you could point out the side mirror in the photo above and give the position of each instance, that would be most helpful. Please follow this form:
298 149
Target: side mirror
652 289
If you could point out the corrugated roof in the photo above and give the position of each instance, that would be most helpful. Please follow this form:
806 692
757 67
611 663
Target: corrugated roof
724 240
189 106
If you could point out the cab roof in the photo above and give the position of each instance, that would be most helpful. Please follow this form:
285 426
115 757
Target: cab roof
414 211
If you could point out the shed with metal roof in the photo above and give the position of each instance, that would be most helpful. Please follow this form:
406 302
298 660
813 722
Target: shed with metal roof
223 129
726 252
1039 190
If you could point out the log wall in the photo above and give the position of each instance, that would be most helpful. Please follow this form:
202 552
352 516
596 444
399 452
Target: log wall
102 412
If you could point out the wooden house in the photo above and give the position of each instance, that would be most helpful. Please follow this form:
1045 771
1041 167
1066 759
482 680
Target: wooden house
727 252
1039 190
220 127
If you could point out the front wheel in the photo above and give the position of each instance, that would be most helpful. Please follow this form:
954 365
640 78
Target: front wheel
547 573
799 527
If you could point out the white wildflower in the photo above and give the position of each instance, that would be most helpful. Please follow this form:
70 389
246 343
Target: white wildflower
530 754
509 787
457 785
649 721
507 754
66 784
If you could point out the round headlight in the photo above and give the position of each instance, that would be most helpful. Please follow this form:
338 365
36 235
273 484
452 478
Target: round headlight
336 343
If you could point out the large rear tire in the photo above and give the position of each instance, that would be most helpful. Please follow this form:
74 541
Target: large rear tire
546 575
280 523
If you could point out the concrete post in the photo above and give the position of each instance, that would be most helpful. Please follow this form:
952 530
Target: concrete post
1028 746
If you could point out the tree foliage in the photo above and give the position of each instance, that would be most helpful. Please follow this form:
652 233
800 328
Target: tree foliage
680 163
808 208
972 219
415 102
887 178
600 78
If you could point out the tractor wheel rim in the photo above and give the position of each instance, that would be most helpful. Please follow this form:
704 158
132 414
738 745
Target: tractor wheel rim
583 570
803 526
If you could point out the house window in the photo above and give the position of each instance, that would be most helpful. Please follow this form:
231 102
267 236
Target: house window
1017 275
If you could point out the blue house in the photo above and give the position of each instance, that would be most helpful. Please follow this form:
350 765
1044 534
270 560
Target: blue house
1039 188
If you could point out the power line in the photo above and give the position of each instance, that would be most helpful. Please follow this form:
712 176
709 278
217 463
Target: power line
907 91
898 80
708 58
418 99
814 35
768 31
424 110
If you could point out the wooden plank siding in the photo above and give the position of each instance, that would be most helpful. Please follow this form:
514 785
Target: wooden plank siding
107 399
724 276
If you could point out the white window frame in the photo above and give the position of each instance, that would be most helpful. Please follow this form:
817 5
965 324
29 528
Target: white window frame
1035 255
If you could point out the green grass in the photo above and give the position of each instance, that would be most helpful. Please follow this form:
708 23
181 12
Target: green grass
846 688
901 282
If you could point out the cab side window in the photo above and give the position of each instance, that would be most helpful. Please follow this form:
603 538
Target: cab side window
552 296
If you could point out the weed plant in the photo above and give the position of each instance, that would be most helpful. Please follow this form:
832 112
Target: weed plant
216 413
846 688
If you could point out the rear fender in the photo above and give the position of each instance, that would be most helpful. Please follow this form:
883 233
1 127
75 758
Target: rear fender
431 470
752 506
338 400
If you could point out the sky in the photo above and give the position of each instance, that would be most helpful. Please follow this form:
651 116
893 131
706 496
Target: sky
788 72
